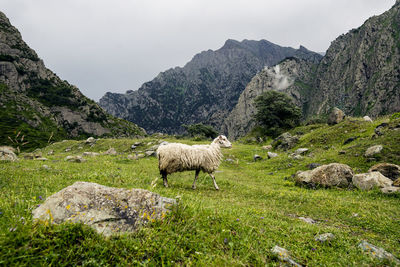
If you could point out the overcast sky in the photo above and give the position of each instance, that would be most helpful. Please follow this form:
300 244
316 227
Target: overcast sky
117 45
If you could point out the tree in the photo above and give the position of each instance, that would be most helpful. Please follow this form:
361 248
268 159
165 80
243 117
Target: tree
201 130
276 113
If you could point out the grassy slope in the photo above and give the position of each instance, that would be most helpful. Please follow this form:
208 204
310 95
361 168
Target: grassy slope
255 209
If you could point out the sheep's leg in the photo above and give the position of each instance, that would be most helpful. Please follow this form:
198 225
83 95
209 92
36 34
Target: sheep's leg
195 178
215 183
164 177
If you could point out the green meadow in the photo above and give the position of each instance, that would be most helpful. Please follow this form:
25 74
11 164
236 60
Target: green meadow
257 207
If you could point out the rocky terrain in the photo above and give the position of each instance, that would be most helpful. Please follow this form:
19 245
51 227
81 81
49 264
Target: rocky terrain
360 72
38 105
205 90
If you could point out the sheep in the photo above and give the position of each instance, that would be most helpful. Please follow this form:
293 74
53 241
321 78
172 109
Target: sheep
176 157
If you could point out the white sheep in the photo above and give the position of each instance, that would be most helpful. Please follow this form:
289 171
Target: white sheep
176 157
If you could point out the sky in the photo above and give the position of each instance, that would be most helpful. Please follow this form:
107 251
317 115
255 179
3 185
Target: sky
117 45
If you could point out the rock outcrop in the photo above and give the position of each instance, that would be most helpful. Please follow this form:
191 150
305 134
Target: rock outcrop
106 209
205 90
36 101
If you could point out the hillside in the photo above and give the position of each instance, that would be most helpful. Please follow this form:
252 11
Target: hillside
258 205
205 90
38 105
360 72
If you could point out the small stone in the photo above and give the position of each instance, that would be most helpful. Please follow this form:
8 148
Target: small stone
342 152
110 151
133 146
46 167
150 153
90 140
283 255
390 189
51 152
349 140
90 154
373 150
307 220
137 144
77 159
80 147
272 155
367 119
230 160
301 151
68 149
140 156
325 237
377 252
132 157
41 159
268 147
257 157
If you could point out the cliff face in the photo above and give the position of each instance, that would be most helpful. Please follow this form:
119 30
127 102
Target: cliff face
204 90
37 103
360 72
292 76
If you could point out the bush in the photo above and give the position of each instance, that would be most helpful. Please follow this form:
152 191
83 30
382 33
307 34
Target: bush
276 113
201 130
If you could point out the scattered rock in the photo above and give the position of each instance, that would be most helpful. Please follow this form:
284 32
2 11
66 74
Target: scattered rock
295 156
46 167
373 150
349 140
68 149
150 153
110 151
391 171
51 152
377 252
77 159
106 209
312 166
132 157
90 154
8 153
334 174
257 157
90 140
268 147
80 147
367 119
140 156
272 155
230 161
41 159
370 180
28 156
325 237
307 220
390 189
285 141
379 128
283 255
133 146
137 144
336 116
37 154
301 151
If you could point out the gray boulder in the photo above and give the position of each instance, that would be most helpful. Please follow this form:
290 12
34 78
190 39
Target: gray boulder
370 180
284 256
106 209
272 155
325 237
334 174
285 141
257 157
367 119
150 153
301 151
391 171
336 116
373 150
377 252
7 153
110 151
77 159
90 140
90 154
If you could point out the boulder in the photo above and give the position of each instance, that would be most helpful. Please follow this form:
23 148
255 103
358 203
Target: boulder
272 155
150 153
108 210
377 252
284 256
257 157
390 189
336 116
370 180
77 159
7 153
325 237
285 141
334 174
391 171
301 151
110 151
90 154
367 119
373 150
90 140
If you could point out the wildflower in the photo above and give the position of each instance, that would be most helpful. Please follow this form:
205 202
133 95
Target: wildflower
226 240
237 219
38 205
40 197
262 217
313 249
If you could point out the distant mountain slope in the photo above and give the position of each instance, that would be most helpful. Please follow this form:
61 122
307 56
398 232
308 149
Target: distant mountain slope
37 103
360 72
204 90
291 76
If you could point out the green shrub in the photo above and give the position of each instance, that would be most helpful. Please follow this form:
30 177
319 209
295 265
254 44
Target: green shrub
201 130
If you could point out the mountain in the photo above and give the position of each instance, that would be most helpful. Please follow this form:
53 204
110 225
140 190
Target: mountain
205 90
37 105
292 76
360 72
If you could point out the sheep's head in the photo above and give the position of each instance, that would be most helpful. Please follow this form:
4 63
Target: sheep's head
222 141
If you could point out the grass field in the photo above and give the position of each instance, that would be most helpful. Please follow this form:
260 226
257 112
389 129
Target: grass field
257 207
